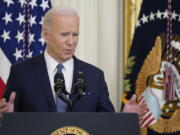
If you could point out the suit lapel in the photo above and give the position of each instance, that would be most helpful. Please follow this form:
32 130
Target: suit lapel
77 68
43 81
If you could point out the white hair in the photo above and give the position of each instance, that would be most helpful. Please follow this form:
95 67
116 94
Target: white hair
57 11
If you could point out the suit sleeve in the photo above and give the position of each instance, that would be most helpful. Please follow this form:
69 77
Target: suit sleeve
13 85
105 104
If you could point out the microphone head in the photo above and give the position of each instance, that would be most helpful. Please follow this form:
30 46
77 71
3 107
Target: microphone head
80 84
59 83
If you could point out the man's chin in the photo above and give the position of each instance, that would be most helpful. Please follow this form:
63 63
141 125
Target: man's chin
67 57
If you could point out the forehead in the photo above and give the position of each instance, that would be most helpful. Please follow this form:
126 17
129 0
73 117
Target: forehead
65 20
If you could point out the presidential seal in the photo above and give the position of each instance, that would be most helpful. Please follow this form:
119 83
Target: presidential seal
70 130
159 79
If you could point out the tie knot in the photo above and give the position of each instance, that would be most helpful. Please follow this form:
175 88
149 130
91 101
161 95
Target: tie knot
59 68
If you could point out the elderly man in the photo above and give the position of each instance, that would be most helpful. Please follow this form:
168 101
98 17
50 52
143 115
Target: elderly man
31 85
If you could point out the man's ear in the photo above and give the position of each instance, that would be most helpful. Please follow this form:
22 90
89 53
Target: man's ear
45 34
44 31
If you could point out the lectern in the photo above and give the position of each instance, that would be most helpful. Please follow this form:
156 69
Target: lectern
69 124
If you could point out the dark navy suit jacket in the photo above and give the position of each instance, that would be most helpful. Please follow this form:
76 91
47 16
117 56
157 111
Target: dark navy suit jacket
30 81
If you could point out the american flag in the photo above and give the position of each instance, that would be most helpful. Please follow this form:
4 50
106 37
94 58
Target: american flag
20 33
153 112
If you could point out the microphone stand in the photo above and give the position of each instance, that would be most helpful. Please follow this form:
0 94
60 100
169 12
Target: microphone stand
69 104
67 100
61 91
72 101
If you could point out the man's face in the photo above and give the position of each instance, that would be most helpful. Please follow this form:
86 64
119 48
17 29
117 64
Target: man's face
62 37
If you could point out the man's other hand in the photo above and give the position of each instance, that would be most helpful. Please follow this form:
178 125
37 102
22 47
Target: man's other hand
7 106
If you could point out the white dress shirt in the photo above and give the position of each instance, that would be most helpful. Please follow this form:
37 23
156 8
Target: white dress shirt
68 70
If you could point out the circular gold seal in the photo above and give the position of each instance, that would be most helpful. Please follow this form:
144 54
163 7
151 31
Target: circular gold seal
70 130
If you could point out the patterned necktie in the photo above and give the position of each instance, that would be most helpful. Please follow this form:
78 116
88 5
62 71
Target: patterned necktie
61 105
59 68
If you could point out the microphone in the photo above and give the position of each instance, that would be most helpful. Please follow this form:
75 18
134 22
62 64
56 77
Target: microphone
80 84
59 87
79 88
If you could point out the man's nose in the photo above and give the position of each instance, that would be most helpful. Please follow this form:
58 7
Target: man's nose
70 40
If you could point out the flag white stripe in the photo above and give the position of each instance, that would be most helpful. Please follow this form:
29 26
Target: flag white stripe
145 116
140 98
5 66
149 121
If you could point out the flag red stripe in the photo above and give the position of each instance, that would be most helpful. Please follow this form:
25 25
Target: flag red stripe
140 98
2 88
149 122
146 118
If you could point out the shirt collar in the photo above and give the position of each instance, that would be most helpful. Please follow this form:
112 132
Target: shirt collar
68 64
52 63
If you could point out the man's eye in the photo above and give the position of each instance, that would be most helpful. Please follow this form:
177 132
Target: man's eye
64 34
76 34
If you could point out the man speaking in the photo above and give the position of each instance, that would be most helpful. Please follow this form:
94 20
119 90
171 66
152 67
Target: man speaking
57 81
